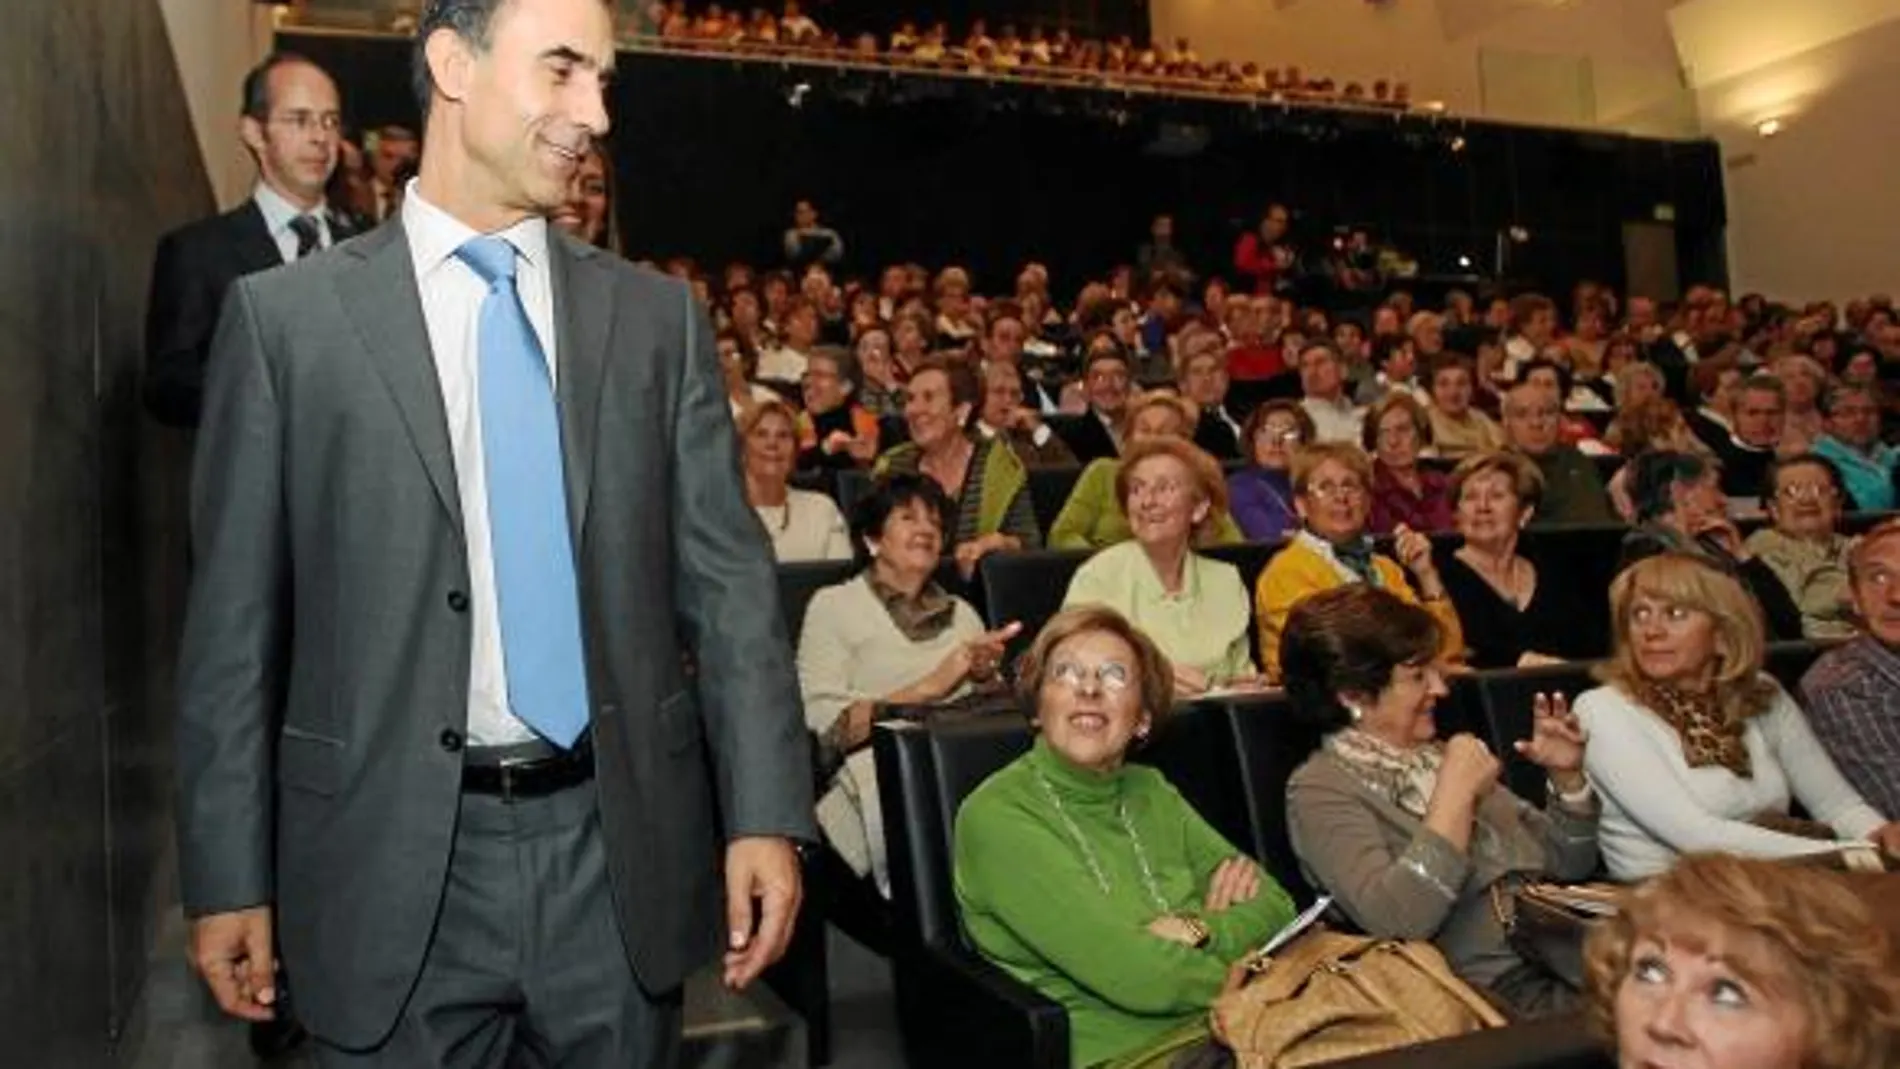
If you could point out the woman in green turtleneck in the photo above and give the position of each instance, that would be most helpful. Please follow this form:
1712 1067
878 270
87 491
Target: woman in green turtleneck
1092 880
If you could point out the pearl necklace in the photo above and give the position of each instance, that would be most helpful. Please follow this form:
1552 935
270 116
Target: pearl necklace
1088 854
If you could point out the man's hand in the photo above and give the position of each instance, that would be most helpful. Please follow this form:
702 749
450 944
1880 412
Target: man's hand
763 887
232 951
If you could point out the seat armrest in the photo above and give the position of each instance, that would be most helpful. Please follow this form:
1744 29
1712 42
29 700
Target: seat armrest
960 1010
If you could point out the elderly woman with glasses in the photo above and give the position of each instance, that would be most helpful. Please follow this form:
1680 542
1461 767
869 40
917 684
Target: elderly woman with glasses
1804 547
1092 880
1261 494
1332 484
1692 747
1414 836
1193 607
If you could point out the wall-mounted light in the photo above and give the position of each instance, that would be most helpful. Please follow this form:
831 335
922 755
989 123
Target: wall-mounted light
1768 127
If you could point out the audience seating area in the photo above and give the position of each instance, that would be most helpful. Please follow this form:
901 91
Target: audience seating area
1231 758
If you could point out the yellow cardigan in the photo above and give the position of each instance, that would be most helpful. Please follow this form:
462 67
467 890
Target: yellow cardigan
1299 571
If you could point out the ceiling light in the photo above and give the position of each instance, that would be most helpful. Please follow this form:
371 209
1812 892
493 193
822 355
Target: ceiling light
1768 127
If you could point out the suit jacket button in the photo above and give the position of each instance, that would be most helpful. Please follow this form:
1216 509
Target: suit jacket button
458 601
451 740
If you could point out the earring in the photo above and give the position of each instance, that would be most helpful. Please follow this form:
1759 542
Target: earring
1356 713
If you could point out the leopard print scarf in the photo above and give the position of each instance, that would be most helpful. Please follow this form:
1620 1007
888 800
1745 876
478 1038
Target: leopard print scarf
1707 737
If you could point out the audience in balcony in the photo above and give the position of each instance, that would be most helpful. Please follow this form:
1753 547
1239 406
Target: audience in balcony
1195 609
1692 747
1680 509
1851 442
1414 837
1804 546
1092 880
1514 612
1092 517
889 636
1459 430
987 486
1332 484
1852 693
1745 964
802 524
1405 493
1573 490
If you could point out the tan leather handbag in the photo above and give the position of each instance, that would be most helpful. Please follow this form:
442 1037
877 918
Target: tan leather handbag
1329 996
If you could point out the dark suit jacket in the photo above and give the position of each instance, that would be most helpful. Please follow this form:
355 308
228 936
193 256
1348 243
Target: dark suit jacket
1216 436
194 266
1088 439
323 683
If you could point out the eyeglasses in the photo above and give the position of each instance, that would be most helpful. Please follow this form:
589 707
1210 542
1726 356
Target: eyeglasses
1278 432
1112 676
305 121
1807 492
1344 491
1160 489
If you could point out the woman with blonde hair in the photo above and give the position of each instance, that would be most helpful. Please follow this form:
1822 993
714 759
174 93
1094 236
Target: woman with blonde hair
1727 963
1692 747
1092 518
802 525
1193 607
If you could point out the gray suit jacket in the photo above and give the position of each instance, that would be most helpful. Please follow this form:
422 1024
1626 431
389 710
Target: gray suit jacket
323 686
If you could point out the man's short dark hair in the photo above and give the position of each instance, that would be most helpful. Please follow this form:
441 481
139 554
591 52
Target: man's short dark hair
257 102
470 19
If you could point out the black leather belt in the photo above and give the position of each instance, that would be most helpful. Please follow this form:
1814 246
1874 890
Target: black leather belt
526 770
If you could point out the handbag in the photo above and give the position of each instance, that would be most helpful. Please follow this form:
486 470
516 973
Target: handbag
1546 923
1328 996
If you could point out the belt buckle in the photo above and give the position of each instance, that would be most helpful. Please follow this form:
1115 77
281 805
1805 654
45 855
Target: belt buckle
505 773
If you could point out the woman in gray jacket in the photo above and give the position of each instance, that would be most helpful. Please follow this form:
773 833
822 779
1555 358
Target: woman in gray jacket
1414 837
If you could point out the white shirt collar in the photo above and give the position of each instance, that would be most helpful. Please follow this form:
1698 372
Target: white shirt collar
278 211
434 234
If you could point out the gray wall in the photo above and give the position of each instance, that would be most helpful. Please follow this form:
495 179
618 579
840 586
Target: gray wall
97 157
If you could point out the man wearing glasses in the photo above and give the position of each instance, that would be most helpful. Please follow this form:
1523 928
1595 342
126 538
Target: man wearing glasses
291 122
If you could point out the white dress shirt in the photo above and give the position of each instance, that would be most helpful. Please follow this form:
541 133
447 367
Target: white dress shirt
278 214
1335 421
452 295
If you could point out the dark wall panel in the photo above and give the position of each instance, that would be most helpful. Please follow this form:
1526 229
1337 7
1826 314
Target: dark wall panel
712 153
100 157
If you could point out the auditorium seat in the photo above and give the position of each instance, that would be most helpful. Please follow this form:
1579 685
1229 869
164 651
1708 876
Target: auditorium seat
1267 748
1789 661
798 581
955 1008
1505 697
958 1010
1049 490
1027 588
1194 748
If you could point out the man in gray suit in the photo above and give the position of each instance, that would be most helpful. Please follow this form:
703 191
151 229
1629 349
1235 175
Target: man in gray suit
481 654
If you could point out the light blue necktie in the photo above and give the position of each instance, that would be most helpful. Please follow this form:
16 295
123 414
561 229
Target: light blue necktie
535 587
